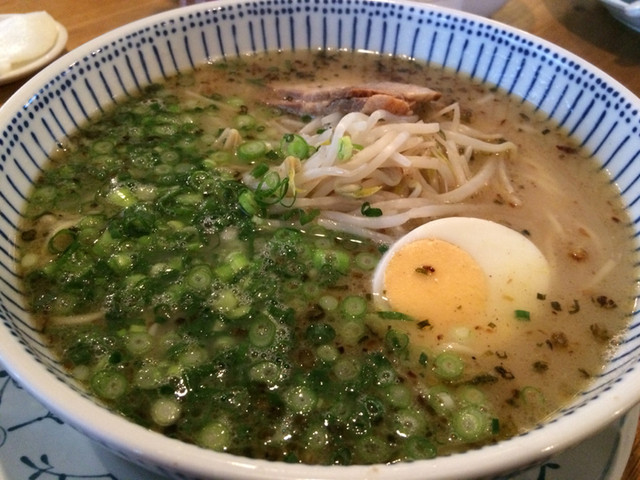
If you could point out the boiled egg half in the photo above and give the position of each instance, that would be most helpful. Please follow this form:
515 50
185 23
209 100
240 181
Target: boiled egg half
464 283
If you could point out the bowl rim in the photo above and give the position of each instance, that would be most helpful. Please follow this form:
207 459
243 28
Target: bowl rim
125 438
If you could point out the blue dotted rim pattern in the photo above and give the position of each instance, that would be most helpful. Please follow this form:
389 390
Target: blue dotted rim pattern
603 116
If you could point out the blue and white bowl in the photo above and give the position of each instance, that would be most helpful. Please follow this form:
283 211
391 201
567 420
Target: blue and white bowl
600 113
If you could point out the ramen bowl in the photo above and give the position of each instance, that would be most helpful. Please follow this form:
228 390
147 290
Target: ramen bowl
598 112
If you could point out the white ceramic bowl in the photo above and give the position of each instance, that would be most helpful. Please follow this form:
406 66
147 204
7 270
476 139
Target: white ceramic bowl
601 114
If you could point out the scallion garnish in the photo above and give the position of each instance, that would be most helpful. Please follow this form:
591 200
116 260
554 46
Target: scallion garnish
368 211
392 315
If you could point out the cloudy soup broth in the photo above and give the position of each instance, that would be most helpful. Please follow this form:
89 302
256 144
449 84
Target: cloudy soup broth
201 258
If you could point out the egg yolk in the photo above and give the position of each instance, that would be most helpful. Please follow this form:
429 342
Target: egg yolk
438 284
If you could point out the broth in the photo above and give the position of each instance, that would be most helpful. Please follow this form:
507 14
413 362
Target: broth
234 321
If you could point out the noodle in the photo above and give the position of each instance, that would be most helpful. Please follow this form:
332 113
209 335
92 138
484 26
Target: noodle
397 219
60 320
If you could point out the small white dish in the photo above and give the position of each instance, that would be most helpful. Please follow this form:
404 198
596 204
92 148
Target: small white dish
21 70
627 11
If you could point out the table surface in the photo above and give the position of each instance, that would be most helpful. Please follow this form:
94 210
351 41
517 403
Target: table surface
583 27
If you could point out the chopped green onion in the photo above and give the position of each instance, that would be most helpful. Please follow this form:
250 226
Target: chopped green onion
165 411
248 203
328 303
301 399
202 180
193 357
200 277
109 384
471 424
121 262
262 332
346 368
235 102
448 366
353 306
265 372
225 300
237 261
102 146
370 449
345 149
468 394
294 145
418 448
61 240
121 196
149 377
409 422
368 211
393 315
319 333
385 375
332 258
245 122
189 199
272 189
215 436
138 343
351 331
523 315
423 359
251 151
532 397
327 352
495 426
399 395
218 158
308 216
396 341
259 170
371 408
366 261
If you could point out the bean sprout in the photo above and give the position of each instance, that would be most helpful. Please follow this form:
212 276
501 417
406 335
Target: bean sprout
424 168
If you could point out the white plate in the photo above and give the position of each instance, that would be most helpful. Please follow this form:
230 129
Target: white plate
26 68
34 443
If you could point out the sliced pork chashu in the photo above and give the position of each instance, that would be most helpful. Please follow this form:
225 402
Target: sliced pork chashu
396 98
